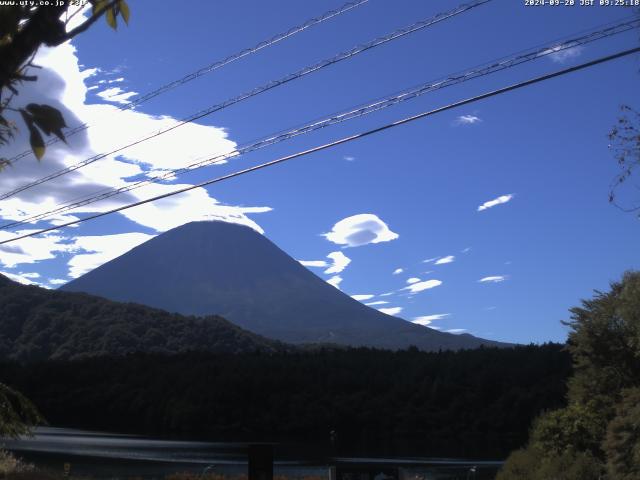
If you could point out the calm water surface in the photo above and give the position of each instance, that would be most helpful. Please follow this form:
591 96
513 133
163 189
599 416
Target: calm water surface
108 455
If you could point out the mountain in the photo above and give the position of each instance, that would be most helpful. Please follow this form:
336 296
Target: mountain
38 324
213 267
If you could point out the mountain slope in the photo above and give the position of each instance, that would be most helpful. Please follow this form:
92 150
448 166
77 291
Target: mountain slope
38 324
204 268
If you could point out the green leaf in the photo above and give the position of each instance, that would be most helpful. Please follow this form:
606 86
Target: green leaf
98 6
48 119
124 11
111 18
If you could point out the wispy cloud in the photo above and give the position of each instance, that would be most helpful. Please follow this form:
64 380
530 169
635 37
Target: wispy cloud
421 286
362 297
496 201
427 319
493 279
398 271
340 262
116 95
466 250
359 230
563 53
23 279
430 260
467 120
456 331
57 281
349 158
379 302
447 259
391 310
314 263
412 280
336 280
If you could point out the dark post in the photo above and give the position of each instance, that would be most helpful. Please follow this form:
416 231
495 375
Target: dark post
261 462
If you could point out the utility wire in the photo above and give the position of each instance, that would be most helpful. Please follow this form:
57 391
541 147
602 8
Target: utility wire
211 67
486 69
341 141
261 89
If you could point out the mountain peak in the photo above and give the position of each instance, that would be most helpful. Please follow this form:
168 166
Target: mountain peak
220 268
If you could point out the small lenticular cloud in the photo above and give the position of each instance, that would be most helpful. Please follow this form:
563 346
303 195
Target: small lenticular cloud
391 310
493 279
496 201
427 319
447 259
362 297
467 120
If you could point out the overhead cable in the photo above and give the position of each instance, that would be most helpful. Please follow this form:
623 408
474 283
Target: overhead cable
551 48
335 143
258 90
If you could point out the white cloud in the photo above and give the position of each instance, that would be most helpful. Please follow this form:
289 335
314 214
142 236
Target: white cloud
57 281
391 310
96 250
349 158
379 302
360 230
496 201
456 331
387 294
23 279
447 259
493 279
466 250
335 281
362 297
413 280
314 263
116 95
32 249
340 262
427 319
467 120
429 260
30 275
398 271
563 53
421 286
63 85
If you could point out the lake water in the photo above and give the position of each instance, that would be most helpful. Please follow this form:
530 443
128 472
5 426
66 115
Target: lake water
108 455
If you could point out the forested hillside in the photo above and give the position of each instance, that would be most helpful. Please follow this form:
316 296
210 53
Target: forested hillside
39 324
476 403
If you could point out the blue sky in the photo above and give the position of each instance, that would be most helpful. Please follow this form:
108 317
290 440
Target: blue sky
414 192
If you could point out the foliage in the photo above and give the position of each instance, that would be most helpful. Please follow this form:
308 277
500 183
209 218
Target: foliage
24 27
576 428
38 324
470 403
625 144
17 414
622 443
601 424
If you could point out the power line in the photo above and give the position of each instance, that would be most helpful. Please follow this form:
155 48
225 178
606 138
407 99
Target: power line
261 89
486 69
213 66
341 141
